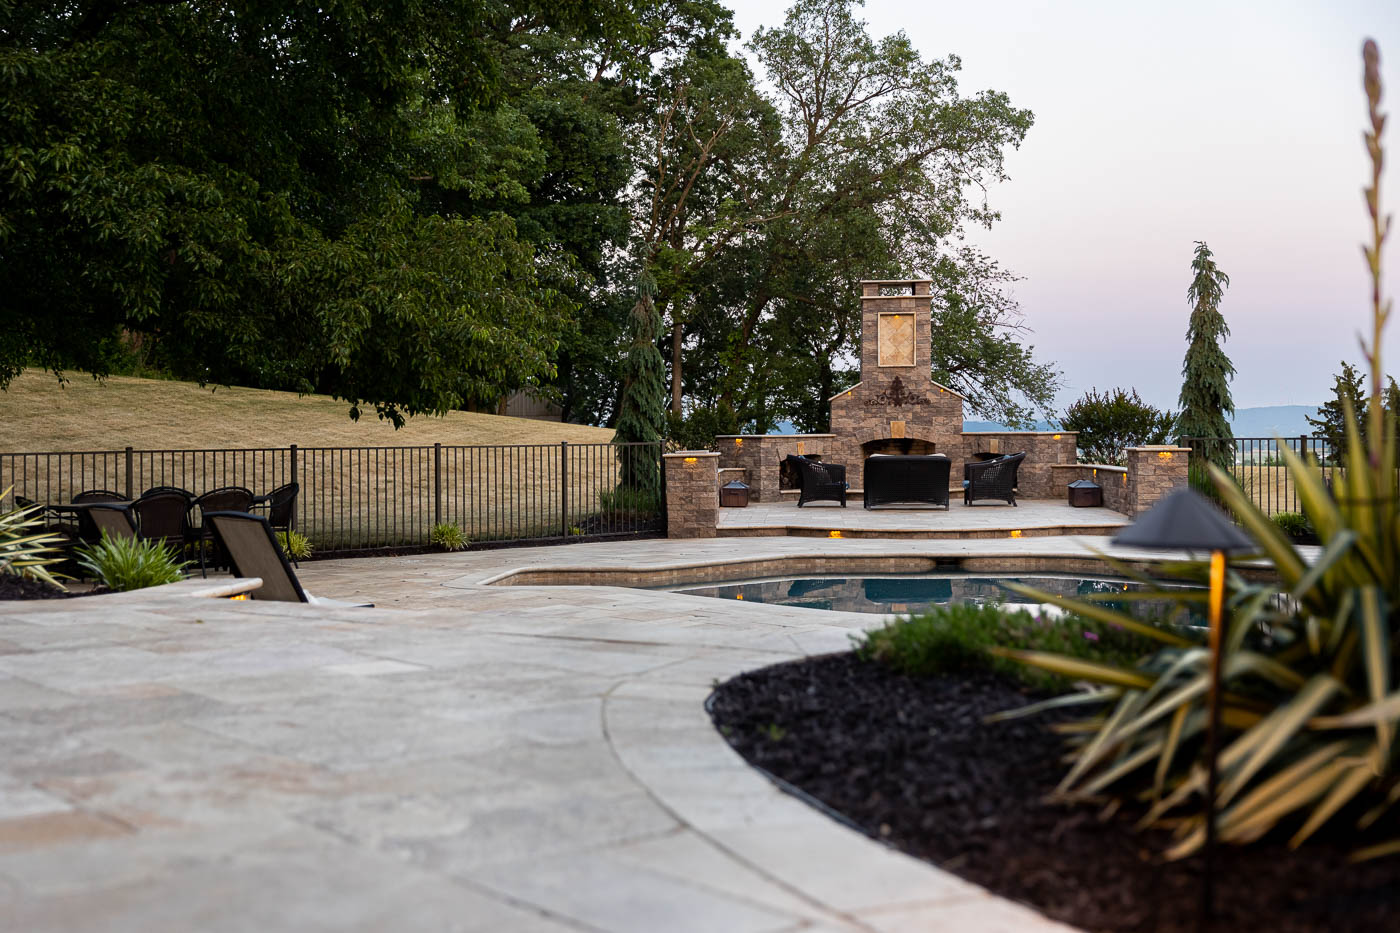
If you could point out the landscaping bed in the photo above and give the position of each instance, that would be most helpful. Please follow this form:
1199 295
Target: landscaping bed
910 761
17 587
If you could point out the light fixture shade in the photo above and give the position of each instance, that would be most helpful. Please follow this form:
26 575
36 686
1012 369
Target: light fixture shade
1185 520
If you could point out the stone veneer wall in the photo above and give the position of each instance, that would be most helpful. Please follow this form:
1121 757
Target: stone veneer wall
760 454
692 494
1151 473
1113 479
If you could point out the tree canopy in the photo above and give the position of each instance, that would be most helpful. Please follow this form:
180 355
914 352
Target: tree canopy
421 206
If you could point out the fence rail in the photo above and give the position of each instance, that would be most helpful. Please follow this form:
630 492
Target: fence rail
354 498
1258 467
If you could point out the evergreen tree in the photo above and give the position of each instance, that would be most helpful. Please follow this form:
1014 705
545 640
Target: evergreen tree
1349 389
1206 371
641 416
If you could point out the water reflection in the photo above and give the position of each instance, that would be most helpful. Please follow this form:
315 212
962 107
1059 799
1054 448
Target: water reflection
913 592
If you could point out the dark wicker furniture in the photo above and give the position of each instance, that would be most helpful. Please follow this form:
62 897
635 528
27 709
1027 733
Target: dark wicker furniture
281 506
907 480
99 495
223 499
161 516
992 479
820 482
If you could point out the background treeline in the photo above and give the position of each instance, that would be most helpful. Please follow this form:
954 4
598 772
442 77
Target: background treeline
420 206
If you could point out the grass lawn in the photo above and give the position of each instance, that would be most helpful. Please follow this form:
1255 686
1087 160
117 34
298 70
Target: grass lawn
41 414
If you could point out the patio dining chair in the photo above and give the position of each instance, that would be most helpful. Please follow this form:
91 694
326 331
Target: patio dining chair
99 495
253 551
223 499
161 516
281 508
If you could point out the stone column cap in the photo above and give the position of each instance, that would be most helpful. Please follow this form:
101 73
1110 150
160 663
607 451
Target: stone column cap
1160 447
692 453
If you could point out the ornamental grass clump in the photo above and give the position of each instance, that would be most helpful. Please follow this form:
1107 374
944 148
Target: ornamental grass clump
26 550
123 564
449 537
1310 706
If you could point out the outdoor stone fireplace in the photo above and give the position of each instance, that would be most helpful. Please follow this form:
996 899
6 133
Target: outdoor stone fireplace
896 408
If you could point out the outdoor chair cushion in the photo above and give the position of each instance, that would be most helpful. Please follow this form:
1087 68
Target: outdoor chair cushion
906 479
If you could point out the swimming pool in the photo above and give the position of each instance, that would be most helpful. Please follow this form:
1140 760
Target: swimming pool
898 593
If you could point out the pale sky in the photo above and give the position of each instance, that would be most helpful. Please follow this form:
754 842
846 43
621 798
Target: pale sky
1158 124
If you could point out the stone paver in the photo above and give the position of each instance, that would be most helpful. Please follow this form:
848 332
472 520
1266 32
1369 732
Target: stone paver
464 757
981 518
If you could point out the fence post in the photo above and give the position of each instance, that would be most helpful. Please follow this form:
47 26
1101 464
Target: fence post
437 483
130 473
292 478
563 489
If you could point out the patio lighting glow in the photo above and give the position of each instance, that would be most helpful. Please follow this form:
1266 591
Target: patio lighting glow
1016 533
738 442
833 533
1057 437
1164 455
692 459
239 596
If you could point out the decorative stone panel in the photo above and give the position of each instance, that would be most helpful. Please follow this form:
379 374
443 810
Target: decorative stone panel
1153 472
692 493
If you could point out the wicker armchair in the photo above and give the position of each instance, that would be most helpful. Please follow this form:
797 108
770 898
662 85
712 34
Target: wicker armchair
281 506
824 482
992 479
160 516
223 499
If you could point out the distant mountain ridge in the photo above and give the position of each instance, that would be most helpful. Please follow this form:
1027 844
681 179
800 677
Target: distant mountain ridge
1263 421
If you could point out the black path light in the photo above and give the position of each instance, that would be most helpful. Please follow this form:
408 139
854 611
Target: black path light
1185 520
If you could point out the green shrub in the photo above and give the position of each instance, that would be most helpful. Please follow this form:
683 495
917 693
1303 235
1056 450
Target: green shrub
449 537
629 499
295 544
958 636
131 564
1110 422
25 548
1293 524
698 430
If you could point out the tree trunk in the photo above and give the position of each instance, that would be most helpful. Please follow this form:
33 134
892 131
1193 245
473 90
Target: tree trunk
676 368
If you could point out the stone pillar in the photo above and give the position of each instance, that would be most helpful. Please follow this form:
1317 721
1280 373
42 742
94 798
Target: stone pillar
692 493
1152 473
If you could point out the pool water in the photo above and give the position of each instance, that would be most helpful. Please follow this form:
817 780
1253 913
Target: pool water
897 593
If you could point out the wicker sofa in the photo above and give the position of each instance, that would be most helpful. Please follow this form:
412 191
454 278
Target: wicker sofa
906 480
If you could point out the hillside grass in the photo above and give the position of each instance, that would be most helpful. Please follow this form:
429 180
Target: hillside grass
357 488
40 414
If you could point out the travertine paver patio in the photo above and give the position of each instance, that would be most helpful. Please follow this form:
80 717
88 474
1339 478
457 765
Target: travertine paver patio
480 758
1029 516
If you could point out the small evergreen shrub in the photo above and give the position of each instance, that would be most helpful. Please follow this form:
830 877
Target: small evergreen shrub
295 544
629 499
957 637
123 564
449 537
1293 524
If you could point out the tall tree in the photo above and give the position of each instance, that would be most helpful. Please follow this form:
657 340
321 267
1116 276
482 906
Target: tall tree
1207 371
641 414
237 185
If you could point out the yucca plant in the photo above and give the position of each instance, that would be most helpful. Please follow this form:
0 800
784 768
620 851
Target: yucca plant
25 548
1310 707
131 564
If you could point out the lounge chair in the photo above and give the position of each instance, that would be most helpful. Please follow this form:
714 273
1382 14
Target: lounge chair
992 479
819 481
253 551
112 519
906 480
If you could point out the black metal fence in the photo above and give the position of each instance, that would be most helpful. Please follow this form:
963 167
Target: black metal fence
355 498
1258 466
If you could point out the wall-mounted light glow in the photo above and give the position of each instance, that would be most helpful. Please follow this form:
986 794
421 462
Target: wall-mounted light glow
741 595
1057 437
833 533
239 596
1164 455
738 442
692 459
1016 533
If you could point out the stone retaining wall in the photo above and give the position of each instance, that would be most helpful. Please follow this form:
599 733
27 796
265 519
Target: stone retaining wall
692 493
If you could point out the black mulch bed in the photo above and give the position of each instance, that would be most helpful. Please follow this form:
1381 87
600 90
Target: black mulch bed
911 762
17 587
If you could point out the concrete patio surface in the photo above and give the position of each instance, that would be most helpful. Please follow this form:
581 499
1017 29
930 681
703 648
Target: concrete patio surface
1030 517
464 757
